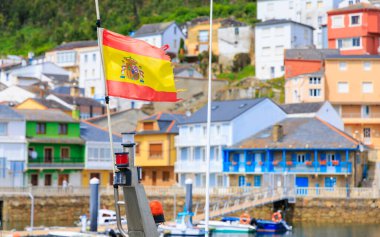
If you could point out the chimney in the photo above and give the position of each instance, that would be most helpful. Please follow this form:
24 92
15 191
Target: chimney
277 132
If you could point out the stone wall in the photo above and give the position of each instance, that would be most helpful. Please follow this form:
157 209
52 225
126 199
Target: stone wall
65 210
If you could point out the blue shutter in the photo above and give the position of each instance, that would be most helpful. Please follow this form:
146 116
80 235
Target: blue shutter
308 156
323 156
294 157
338 157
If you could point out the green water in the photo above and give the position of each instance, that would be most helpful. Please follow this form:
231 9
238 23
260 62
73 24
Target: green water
325 230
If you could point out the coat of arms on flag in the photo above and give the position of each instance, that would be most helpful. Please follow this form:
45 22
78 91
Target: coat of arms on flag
131 69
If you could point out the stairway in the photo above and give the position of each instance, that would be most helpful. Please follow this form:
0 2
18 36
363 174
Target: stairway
372 175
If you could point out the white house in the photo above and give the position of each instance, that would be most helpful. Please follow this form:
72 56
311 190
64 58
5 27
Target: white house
233 40
13 144
160 34
346 3
272 37
231 122
15 94
309 12
47 72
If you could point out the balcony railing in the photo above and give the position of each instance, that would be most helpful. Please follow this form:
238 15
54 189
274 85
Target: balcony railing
200 140
72 162
361 115
289 166
197 166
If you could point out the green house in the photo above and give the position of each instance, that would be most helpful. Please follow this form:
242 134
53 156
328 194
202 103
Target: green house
55 149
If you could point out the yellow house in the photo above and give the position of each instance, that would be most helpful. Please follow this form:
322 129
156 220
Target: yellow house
353 87
42 104
155 150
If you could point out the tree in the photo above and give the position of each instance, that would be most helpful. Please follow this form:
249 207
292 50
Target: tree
203 61
240 61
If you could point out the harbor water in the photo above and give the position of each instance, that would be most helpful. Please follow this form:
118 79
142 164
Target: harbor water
320 230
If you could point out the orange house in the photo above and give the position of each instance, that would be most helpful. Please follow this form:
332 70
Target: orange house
354 29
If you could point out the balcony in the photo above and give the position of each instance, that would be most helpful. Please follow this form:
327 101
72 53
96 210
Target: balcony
56 163
321 167
201 140
197 166
349 118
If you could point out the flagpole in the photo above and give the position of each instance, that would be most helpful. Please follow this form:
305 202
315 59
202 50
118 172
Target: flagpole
207 205
107 99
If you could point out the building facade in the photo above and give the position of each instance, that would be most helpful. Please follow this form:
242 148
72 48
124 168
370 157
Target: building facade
310 12
55 149
231 122
272 37
155 150
355 29
318 154
13 148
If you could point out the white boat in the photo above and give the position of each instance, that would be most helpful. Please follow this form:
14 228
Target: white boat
105 217
182 227
229 226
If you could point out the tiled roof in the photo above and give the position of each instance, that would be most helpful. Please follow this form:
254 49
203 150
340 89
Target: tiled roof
79 100
310 133
348 57
76 44
302 108
309 54
49 115
281 21
51 104
223 110
57 77
93 133
6 113
149 29
167 122
354 7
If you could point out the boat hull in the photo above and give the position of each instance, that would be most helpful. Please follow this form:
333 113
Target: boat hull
271 227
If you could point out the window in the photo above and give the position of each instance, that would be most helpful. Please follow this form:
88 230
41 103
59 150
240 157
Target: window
165 176
343 87
34 179
367 66
320 19
315 92
62 178
94 57
148 126
356 42
330 182
110 179
342 66
308 5
320 4
314 80
41 128
62 129
155 150
348 43
203 36
48 155
355 20
265 51
65 153
92 90
175 30
47 179
257 181
3 129
66 57
367 87
301 158
367 132
85 58
366 111
236 30
279 50
337 21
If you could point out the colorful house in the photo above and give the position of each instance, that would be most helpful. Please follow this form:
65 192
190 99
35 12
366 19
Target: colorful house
355 29
317 153
42 103
98 160
231 122
55 149
155 150
13 148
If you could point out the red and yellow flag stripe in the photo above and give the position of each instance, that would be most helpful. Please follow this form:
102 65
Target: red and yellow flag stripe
137 70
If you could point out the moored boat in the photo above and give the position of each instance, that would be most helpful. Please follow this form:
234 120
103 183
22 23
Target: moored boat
182 227
271 226
229 225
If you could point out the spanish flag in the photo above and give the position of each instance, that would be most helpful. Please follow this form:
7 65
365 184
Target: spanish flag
136 70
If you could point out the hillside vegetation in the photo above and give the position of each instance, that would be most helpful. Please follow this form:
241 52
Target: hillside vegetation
39 25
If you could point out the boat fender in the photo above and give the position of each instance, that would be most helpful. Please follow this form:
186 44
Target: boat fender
276 217
245 219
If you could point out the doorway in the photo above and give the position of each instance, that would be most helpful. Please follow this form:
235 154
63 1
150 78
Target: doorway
63 177
154 178
48 155
47 179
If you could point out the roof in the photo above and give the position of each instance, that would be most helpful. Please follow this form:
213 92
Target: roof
71 140
309 54
76 44
91 132
223 110
150 29
364 56
7 113
167 123
355 7
57 77
49 115
78 100
51 104
302 108
281 21
65 90
301 133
